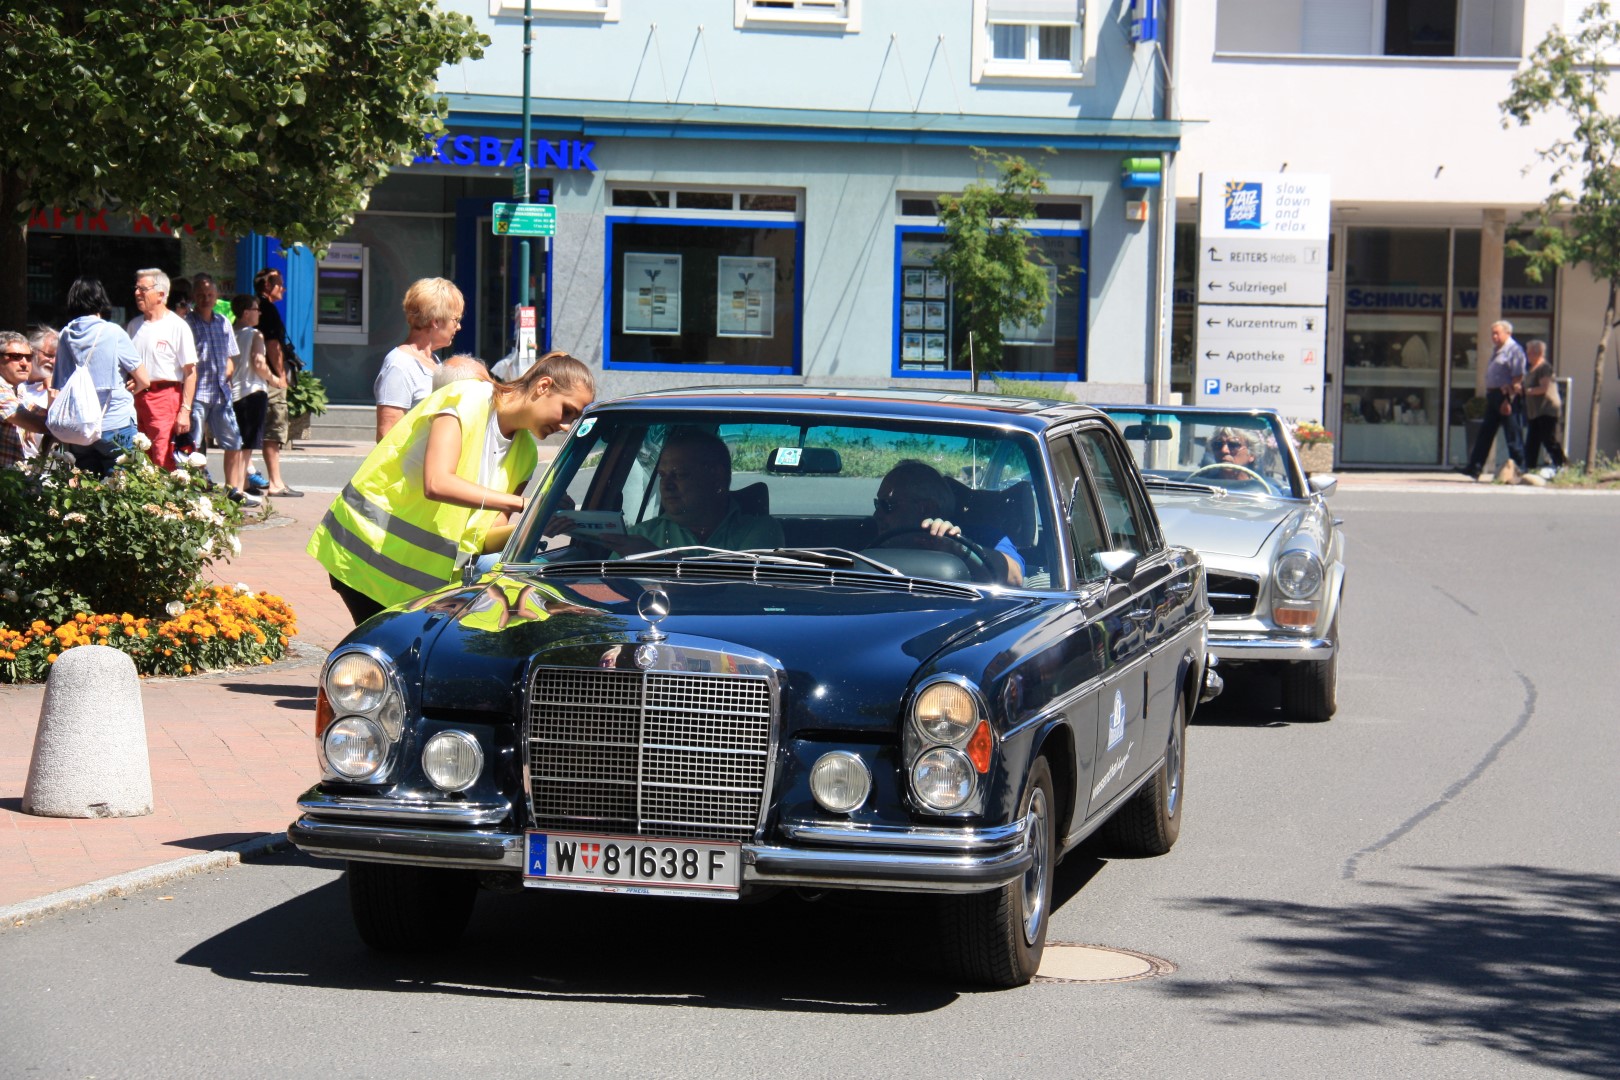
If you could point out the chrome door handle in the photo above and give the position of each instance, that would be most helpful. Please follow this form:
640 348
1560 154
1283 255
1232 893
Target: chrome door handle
1140 614
1181 588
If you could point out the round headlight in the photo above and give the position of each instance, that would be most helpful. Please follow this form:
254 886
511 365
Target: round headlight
1299 575
945 713
452 760
840 781
943 778
355 747
356 683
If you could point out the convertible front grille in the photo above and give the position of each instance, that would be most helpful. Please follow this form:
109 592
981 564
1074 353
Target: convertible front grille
664 754
1232 596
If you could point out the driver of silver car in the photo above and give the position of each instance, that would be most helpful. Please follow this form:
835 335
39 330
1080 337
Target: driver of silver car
1235 446
914 497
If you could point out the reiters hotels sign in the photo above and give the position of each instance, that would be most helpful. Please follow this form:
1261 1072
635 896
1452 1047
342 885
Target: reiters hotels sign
1262 291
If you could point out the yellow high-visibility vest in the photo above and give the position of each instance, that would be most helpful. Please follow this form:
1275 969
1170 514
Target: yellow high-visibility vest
383 537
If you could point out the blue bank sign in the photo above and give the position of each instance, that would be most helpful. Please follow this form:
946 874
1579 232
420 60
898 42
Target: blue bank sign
488 151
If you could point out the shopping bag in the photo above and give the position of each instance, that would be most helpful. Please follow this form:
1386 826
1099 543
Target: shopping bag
75 415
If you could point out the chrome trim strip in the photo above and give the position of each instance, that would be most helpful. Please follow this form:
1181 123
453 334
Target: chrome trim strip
1257 647
364 808
964 840
333 840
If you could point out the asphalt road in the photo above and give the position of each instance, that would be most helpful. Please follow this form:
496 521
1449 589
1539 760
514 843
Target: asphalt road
1428 886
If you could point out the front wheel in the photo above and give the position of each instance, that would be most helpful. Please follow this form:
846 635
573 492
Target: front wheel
1310 688
997 938
1150 822
410 908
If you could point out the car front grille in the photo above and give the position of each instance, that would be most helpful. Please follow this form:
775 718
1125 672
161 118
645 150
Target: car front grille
664 754
1232 596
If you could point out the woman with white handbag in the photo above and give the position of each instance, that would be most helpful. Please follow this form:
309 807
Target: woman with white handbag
110 376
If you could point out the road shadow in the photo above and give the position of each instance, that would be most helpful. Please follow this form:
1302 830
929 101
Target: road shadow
1250 699
1521 960
213 841
295 696
784 953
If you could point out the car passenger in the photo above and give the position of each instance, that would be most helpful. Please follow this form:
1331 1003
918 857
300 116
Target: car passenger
914 497
695 503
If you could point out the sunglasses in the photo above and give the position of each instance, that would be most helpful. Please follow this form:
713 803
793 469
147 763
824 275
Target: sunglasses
18 355
887 506
1235 444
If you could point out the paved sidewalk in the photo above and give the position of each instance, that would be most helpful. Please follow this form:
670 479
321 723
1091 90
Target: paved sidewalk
230 753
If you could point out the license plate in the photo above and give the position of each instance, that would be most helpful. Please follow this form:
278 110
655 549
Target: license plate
632 864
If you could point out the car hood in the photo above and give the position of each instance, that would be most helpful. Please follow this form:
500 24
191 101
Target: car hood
1235 525
831 677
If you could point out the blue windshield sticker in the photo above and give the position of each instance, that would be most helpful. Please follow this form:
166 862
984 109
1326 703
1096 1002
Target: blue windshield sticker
585 426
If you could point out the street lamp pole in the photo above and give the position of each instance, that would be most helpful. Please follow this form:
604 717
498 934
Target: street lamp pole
525 290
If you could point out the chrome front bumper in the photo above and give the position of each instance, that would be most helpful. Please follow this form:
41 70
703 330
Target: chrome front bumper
818 855
1247 645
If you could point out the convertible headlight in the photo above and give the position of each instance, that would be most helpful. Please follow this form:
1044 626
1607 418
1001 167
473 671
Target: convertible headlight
1298 575
943 778
840 781
453 760
355 747
356 683
945 712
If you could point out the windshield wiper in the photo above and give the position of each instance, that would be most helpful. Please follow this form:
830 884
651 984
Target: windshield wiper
1155 480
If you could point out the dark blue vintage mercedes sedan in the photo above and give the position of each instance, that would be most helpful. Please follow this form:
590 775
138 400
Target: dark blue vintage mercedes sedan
761 638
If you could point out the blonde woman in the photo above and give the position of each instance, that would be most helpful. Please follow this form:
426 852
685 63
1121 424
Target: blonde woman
433 308
427 498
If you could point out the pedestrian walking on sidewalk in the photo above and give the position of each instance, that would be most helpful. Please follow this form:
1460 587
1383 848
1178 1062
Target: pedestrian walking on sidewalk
268 287
251 381
429 496
433 308
212 405
115 368
1504 378
166 347
1542 404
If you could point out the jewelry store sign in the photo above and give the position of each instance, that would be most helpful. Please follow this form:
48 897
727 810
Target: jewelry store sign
1262 291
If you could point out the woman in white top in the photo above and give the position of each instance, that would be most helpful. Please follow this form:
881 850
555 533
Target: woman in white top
433 308
251 379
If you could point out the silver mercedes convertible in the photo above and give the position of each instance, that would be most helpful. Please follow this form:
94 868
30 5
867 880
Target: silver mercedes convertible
1228 483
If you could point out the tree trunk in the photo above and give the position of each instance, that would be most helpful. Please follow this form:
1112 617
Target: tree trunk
13 253
1597 378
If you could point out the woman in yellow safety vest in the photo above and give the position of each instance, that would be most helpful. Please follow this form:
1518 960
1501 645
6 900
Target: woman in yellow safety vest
427 496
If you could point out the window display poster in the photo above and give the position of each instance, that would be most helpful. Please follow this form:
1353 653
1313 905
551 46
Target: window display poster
914 277
936 285
934 347
911 315
911 346
652 293
934 315
1040 331
745 300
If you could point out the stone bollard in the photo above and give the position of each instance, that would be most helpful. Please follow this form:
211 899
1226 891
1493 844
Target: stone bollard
90 755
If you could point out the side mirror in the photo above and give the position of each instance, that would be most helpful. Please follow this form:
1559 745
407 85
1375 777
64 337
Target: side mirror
1120 566
1323 484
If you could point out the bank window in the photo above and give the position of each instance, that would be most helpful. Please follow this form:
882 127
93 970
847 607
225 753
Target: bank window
841 15
700 288
601 10
930 331
1029 38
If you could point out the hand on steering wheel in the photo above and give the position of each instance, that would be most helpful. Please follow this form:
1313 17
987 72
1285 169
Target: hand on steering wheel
1232 465
986 569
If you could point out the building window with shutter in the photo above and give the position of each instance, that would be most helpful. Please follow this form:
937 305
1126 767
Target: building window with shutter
1024 39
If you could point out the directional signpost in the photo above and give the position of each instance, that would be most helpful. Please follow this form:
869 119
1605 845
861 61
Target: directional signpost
1262 292
524 219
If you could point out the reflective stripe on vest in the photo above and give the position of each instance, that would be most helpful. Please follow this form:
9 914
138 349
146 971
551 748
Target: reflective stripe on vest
379 562
388 523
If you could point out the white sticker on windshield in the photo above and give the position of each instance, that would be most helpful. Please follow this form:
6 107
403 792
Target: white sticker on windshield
585 426
788 457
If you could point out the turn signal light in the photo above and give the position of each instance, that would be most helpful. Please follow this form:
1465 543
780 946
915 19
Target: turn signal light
323 712
978 747
1294 616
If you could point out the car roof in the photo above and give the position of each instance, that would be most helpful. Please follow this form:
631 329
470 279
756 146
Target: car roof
1026 413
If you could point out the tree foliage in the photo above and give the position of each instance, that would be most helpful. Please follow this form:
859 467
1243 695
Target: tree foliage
276 116
998 278
1578 223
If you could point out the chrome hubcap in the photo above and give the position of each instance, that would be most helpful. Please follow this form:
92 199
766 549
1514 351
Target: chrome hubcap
1172 767
1039 867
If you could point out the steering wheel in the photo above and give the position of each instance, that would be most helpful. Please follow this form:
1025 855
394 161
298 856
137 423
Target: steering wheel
1232 465
986 569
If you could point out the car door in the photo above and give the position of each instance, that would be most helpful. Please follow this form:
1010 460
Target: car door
1138 698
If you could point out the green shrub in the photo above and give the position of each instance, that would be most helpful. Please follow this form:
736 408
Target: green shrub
306 396
1040 389
72 543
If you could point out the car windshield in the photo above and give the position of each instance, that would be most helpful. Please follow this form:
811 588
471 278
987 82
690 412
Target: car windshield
683 484
1241 452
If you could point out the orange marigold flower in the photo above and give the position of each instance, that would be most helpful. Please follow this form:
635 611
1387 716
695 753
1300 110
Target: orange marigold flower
50 658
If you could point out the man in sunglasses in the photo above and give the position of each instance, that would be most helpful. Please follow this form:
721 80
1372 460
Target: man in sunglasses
18 423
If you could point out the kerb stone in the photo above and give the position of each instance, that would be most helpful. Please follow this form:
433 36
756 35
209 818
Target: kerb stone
90 756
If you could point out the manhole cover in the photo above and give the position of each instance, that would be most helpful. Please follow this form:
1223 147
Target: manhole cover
1069 962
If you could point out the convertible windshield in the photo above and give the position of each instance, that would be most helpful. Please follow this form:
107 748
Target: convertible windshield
1239 452
942 501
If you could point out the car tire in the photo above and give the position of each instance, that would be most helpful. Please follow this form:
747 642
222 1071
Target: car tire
997 938
1310 688
1150 822
410 908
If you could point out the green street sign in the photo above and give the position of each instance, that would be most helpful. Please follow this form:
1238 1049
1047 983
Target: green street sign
520 181
524 219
